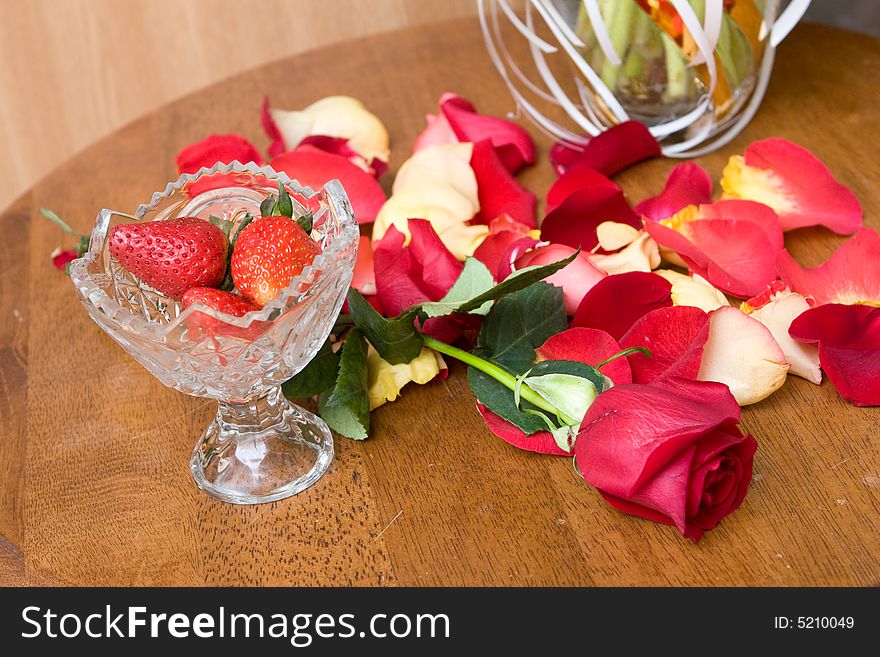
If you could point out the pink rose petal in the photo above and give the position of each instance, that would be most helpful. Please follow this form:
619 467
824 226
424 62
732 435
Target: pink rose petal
314 168
687 184
277 145
800 188
850 275
512 143
576 278
849 347
616 302
675 336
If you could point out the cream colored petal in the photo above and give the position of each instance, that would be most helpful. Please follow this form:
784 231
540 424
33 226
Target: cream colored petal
640 255
693 291
778 316
385 381
447 164
397 210
742 354
614 235
336 116
462 240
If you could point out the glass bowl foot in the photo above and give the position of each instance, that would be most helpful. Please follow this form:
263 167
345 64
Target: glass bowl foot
261 450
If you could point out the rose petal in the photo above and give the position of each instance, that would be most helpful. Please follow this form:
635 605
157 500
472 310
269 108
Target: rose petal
436 268
851 275
675 336
849 348
573 180
214 149
385 381
576 278
734 247
438 131
503 231
499 192
61 258
541 442
276 145
364 277
777 315
575 220
340 146
687 184
795 183
616 302
693 291
511 254
742 354
642 254
513 145
615 149
590 346
314 168
333 116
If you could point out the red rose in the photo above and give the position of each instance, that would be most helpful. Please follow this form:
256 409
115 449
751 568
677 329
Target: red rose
670 451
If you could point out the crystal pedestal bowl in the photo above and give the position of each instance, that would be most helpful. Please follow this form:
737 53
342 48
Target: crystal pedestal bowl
260 447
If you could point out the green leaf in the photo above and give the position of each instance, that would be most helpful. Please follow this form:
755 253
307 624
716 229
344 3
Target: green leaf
520 322
248 218
305 222
518 280
319 375
54 218
346 407
225 225
267 207
499 399
396 340
83 246
474 280
285 205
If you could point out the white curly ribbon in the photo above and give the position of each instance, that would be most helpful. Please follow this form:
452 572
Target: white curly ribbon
593 117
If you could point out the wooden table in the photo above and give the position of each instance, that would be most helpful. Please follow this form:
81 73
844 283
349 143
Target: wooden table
94 486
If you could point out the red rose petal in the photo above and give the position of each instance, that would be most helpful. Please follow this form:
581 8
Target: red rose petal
849 347
675 336
364 277
277 145
816 197
214 149
616 302
511 254
512 143
541 442
573 180
850 275
687 184
575 220
503 231
736 251
615 149
435 267
499 192
61 258
590 346
314 168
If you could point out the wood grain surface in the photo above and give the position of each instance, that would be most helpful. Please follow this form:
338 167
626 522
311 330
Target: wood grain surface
94 486
73 70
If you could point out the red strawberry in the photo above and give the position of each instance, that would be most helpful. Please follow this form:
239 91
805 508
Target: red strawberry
172 255
225 302
268 254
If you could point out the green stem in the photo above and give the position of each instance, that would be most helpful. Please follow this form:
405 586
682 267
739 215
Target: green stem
501 375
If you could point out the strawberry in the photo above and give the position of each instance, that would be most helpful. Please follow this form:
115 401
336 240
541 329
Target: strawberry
226 302
268 254
172 255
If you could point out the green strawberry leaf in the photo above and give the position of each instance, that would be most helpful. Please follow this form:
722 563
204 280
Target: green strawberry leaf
83 246
396 340
475 279
518 280
520 322
316 377
346 406
267 207
306 221
285 205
